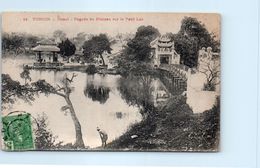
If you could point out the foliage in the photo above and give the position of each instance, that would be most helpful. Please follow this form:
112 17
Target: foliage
187 47
137 91
91 69
138 49
18 42
123 38
177 105
95 47
42 87
211 124
25 75
79 40
174 128
13 42
135 57
59 35
211 70
44 138
67 48
126 68
191 37
30 40
13 90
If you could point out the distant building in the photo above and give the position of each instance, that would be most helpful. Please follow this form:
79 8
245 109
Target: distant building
163 51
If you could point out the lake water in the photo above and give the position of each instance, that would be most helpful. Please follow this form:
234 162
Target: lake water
108 110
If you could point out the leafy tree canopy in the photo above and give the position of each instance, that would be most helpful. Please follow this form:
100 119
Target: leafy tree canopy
138 49
12 42
191 37
59 35
79 40
137 53
96 46
44 138
13 90
67 48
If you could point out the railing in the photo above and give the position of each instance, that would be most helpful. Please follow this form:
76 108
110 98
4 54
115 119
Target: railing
174 77
47 64
177 69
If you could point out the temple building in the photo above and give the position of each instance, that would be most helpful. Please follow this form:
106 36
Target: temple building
163 51
46 51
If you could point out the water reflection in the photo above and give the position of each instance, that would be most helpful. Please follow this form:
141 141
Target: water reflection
119 115
97 93
96 100
138 91
145 92
110 102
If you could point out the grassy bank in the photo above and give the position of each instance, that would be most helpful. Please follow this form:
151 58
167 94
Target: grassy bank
171 127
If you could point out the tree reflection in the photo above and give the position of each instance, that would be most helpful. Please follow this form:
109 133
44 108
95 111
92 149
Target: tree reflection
97 93
137 90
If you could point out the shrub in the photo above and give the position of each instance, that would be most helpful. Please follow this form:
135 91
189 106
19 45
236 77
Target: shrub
91 69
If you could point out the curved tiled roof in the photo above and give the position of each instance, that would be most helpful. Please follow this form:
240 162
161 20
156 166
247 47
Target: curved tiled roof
162 41
46 45
46 48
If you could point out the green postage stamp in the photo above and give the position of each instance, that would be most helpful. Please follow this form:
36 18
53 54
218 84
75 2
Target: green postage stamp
17 132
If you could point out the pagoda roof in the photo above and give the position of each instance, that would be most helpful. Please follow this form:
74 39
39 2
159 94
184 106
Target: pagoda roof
46 48
162 41
164 38
46 45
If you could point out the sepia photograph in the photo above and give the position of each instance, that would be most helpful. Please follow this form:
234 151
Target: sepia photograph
110 82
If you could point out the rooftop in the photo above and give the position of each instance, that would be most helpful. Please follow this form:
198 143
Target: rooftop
46 46
163 41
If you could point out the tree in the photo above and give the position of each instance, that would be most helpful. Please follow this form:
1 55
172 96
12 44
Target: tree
26 76
13 42
211 70
88 52
191 37
138 49
44 138
64 91
96 46
18 42
59 35
79 40
5 42
13 90
188 48
67 48
136 55
30 41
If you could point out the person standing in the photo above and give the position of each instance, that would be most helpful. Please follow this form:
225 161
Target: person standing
103 137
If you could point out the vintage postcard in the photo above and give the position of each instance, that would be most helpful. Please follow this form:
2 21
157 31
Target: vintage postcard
110 81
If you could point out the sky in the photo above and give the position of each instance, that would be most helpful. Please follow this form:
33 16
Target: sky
95 23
